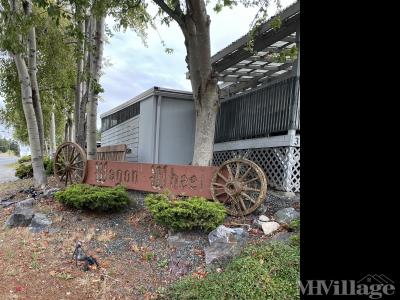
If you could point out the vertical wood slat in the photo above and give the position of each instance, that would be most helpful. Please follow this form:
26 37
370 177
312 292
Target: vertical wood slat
261 112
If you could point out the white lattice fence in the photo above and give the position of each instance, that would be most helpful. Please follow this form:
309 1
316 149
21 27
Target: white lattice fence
280 164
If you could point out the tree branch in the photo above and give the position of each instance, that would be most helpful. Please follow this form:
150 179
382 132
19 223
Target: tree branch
176 15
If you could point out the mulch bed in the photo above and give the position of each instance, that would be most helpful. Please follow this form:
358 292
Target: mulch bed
131 249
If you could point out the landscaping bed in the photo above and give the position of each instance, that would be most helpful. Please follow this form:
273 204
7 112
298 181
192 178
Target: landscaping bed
138 258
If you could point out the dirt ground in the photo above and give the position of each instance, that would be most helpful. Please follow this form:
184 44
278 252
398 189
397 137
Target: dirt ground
131 249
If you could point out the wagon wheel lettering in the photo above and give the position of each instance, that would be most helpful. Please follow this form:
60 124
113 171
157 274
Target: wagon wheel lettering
240 185
70 163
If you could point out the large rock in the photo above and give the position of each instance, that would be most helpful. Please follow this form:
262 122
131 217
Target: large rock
283 237
20 217
27 203
225 243
39 223
227 235
270 227
257 222
286 215
50 192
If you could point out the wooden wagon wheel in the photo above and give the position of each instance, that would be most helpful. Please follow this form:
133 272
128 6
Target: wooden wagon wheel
70 163
240 185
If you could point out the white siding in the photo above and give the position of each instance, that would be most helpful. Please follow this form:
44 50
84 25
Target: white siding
124 133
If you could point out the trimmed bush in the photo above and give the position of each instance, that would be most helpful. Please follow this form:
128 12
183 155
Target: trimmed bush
269 271
187 214
84 196
24 170
24 159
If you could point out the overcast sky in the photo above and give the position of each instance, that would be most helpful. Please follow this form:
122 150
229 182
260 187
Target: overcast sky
135 68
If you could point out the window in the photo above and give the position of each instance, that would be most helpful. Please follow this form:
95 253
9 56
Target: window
120 116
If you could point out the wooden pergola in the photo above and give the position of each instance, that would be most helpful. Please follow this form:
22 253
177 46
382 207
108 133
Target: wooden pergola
240 70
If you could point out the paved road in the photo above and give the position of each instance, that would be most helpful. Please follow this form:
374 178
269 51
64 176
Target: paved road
6 172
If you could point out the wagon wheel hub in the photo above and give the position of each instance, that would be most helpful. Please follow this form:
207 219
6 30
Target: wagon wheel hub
234 188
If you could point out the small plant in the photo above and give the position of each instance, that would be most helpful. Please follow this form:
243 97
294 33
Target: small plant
48 165
24 159
24 170
84 196
187 214
149 256
295 225
163 263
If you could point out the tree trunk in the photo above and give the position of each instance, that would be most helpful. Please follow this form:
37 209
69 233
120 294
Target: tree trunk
32 65
195 25
196 30
39 175
52 133
96 61
79 63
81 129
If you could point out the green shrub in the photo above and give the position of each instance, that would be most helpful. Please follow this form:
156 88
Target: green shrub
24 170
295 224
269 271
24 159
84 196
188 214
48 165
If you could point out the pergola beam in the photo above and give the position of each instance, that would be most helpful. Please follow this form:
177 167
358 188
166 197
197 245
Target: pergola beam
228 56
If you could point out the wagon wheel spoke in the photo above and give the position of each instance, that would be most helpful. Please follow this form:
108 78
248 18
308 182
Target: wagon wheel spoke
246 188
219 184
247 197
223 177
237 170
242 203
245 173
229 171
74 164
251 180
75 157
219 194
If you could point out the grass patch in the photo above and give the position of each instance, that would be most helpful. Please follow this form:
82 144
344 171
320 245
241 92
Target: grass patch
269 271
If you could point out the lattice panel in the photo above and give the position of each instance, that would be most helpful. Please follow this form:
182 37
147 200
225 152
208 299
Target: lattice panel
280 164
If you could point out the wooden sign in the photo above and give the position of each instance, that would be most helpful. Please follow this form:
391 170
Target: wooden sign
179 179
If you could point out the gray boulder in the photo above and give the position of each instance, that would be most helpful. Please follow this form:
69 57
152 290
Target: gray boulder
27 203
224 234
39 223
50 192
225 243
286 215
283 237
20 218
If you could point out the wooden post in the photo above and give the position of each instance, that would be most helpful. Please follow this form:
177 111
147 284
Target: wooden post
295 105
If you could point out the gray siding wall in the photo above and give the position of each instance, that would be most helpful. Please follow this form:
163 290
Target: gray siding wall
177 128
147 130
124 133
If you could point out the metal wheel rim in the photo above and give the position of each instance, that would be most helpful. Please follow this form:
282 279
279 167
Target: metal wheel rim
235 189
70 163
